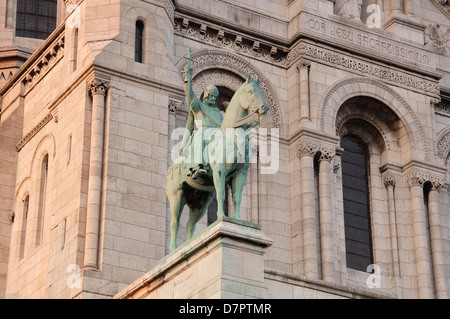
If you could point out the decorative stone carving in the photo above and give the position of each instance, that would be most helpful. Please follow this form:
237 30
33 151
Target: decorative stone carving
51 56
219 78
443 146
213 35
329 95
420 178
327 153
219 60
437 40
416 180
307 149
389 181
364 68
443 5
97 86
336 168
34 131
350 9
175 105
304 64
362 41
443 107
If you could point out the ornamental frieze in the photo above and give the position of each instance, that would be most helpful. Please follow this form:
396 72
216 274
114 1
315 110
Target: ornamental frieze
34 131
245 45
306 50
362 40
205 61
43 64
419 178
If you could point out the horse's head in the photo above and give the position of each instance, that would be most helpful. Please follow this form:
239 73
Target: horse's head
252 97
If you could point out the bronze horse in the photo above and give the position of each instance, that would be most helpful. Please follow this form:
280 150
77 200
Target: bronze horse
182 189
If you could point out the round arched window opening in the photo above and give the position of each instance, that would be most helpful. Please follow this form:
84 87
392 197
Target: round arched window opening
356 197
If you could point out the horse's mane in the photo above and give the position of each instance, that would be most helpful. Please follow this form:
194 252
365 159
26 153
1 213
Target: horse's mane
242 88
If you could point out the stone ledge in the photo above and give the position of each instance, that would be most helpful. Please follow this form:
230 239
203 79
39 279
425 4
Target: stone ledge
339 290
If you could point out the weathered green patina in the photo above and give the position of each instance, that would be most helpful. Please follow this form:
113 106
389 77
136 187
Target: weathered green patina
215 152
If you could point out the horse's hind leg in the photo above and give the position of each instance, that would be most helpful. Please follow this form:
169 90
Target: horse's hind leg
176 206
195 214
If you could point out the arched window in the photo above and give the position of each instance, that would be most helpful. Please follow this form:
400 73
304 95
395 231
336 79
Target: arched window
355 180
36 18
42 200
139 42
23 231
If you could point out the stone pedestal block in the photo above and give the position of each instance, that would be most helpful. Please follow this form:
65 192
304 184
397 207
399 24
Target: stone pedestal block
225 261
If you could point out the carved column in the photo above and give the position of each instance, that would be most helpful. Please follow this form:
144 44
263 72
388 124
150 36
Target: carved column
310 258
408 5
98 90
396 6
437 250
423 263
326 220
10 12
305 109
389 183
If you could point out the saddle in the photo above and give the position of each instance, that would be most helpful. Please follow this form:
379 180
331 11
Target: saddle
189 174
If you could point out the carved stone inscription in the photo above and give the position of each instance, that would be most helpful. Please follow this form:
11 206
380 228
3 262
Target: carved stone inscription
359 66
365 40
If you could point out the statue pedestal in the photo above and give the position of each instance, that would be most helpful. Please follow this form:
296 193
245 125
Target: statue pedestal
226 261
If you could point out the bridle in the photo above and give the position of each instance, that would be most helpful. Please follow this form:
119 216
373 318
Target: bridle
250 118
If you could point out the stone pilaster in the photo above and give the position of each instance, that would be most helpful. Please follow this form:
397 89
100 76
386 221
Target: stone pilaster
390 183
303 68
327 243
423 262
306 153
437 249
97 90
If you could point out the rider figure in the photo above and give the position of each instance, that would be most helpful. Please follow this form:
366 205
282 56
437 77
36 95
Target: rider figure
202 114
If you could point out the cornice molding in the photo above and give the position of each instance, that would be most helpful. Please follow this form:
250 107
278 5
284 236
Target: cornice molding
34 131
221 37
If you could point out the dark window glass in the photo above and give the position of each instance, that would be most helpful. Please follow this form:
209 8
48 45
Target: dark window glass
212 209
355 173
36 18
139 40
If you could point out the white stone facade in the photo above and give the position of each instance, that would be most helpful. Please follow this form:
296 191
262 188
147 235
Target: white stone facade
85 138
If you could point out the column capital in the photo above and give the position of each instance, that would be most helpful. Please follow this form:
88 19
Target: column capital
307 149
97 86
390 181
435 101
437 184
327 153
419 179
416 179
175 105
302 64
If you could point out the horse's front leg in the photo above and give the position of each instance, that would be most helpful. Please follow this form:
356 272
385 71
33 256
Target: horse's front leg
237 186
197 213
219 176
177 203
